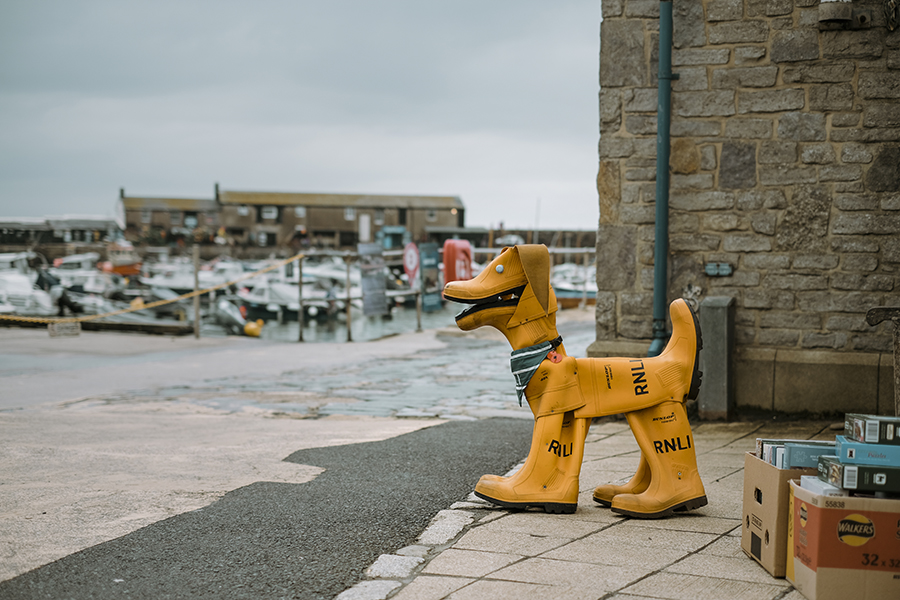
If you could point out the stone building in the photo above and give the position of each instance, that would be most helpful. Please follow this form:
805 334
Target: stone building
785 168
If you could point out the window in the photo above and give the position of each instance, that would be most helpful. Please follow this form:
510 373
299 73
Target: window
264 239
349 214
146 215
300 212
243 210
190 220
431 215
401 216
269 212
379 216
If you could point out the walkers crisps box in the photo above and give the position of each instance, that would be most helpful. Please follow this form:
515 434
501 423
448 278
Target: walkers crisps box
765 512
844 547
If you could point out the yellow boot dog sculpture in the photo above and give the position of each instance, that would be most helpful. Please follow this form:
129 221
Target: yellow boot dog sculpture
513 294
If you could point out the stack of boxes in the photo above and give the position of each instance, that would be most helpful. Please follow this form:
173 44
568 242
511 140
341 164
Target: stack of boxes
827 514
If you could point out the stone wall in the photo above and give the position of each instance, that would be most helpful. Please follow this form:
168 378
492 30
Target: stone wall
785 165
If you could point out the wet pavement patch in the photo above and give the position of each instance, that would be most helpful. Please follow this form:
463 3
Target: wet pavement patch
305 541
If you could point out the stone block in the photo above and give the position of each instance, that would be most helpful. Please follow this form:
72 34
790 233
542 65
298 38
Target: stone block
772 101
685 157
732 77
636 304
615 147
700 56
882 115
756 199
874 343
610 109
847 302
789 320
824 340
775 8
748 128
724 10
746 242
856 153
636 328
859 262
849 187
645 147
640 100
605 312
764 223
856 201
890 202
831 97
890 249
616 244
640 124
737 165
738 279
818 154
681 222
847 323
803 127
641 174
612 8
693 243
840 173
754 377
819 262
694 128
631 194
703 104
691 79
847 243
795 281
786 175
708 157
847 119
805 222
622 41
778 337
702 201
696 181
640 161
865 224
866 136
609 190
769 299
688 24
862 283
884 173
847 43
738 32
721 221
637 214
749 54
831 73
795 45
809 17
642 8
766 261
879 84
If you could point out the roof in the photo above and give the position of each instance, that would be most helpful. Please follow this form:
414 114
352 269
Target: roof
198 204
81 222
34 223
340 200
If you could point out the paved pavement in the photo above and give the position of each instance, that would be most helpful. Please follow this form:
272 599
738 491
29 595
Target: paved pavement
118 448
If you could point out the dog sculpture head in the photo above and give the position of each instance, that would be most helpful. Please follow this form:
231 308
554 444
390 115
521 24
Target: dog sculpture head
512 294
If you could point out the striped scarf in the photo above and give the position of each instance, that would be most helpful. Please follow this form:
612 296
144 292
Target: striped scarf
524 362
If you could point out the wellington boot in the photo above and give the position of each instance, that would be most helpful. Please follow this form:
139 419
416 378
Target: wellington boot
664 435
549 477
604 494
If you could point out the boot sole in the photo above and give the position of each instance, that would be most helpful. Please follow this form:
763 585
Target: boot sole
692 504
603 503
697 375
554 508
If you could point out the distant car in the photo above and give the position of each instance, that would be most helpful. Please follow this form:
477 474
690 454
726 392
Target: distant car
509 240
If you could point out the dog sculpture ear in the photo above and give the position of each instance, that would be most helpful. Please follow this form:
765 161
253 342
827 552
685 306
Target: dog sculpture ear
536 263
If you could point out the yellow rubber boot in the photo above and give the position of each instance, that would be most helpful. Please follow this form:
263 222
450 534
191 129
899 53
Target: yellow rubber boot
664 435
604 494
549 477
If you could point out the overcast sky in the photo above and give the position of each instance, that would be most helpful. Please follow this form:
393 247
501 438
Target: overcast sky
494 101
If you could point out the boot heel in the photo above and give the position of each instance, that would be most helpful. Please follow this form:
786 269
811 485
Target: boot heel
559 509
697 375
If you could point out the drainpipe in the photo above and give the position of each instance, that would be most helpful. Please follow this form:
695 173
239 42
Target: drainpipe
663 115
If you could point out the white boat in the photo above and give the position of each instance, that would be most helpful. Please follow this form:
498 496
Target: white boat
20 292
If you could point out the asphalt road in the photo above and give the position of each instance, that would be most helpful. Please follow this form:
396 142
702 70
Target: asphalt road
305 541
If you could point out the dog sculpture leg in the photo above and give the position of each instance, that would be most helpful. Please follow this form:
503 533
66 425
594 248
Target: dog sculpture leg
549 477
640 481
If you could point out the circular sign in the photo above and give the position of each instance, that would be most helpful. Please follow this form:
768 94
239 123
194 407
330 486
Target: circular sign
411 261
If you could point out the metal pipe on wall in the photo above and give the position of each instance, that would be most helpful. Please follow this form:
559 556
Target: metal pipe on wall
661 238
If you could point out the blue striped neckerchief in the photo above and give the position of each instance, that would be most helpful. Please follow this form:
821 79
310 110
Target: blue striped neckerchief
524 362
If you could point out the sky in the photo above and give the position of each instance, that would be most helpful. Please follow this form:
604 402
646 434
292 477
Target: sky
494 101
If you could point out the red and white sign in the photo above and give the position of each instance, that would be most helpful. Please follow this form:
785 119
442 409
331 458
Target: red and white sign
411 262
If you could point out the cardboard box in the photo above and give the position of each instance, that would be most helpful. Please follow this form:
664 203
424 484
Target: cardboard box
844 548
765 512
